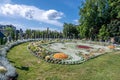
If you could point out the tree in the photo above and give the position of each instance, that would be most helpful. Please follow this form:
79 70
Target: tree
93 15
103 33
114 8
114 28
20 34
17 34
28 33
10 32
70 30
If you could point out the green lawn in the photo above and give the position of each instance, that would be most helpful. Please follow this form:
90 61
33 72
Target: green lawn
29 67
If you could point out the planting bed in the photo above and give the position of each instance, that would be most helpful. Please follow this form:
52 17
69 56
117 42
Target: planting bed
67 52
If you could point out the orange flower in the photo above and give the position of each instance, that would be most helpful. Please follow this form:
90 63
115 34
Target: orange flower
60 56
111 46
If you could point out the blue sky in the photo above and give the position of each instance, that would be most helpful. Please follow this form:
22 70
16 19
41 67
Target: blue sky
39 14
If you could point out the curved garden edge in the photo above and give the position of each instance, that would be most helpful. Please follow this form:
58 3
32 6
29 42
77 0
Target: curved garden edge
7 71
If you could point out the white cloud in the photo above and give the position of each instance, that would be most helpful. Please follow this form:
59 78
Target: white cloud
76 21
32 13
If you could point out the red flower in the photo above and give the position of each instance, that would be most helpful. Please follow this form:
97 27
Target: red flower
83 47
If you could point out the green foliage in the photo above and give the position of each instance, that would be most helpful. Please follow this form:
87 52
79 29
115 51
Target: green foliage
10 32
84 30
103 33
43 53
34 49
96 13
42 34
28 33
70 30
114 8
114 28
1 41
91 21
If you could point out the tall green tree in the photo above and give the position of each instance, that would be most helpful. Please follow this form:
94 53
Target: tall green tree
93 15
103 33
114 8
114 28
114 25
28 33
70 30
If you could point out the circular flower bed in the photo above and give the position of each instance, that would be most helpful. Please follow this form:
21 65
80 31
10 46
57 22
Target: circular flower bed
60 56
83 47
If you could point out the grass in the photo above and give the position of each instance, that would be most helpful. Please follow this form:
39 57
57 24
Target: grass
106 67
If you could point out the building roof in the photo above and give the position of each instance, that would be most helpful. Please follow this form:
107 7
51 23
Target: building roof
1 35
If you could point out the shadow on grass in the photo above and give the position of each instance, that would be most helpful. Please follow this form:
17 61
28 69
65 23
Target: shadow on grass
25 68
11 61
